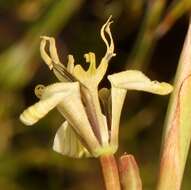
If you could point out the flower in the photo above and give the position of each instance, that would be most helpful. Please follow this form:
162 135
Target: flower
92 116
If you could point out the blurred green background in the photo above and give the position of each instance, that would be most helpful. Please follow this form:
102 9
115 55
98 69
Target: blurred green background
148 35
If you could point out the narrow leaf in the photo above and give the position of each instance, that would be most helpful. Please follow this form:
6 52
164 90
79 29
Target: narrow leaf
177 134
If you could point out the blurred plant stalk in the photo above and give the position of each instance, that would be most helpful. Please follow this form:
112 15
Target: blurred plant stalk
153 28
176 10
146 38
177 134
16 70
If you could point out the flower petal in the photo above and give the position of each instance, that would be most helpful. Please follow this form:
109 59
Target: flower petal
67 98
136 80
130 80
67 143
51 96
72 108
118 97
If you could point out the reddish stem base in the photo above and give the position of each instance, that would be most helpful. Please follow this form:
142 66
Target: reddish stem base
110 172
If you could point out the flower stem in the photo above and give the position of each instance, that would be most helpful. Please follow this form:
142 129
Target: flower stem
177 136
110 172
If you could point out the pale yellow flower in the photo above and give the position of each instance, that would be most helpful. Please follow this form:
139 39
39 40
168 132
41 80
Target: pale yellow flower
92 116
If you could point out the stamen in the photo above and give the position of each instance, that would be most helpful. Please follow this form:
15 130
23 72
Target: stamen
103 29
62 73
52 49
110 46
39 89
102 68
44 55
90 58
70 65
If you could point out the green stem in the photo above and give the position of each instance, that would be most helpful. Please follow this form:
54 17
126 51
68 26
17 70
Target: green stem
110 172
146 40
176 10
